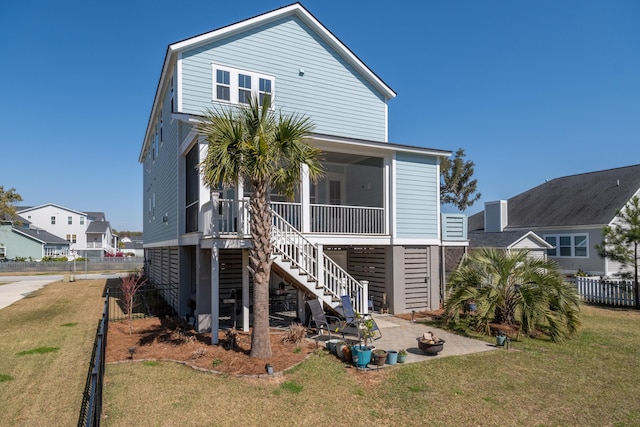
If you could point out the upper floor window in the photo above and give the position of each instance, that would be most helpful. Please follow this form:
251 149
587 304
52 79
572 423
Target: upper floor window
70 220
568 245
237 86
3 251
53 220
81 220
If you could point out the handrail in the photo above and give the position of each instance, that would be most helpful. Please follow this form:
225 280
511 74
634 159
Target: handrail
307 257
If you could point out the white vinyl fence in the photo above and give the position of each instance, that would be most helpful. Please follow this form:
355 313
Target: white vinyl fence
615 292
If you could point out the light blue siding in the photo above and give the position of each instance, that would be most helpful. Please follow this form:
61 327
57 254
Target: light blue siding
331 92
417 201
161 177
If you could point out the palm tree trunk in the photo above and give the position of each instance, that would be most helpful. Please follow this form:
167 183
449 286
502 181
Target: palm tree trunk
260 259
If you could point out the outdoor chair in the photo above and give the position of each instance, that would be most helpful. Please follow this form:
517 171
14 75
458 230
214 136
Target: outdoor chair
319 319
352 319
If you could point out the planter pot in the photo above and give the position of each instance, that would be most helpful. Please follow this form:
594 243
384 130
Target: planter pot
340 349
346 353
392 357
402 358
379 357
430 349
500 340
331 345
361 356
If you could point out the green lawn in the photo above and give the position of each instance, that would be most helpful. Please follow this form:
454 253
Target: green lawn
593 380
45 346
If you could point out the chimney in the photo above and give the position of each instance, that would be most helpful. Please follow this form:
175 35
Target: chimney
495 216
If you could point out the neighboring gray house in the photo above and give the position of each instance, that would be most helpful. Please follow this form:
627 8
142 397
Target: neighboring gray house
569 213
510 240
24 242
372 228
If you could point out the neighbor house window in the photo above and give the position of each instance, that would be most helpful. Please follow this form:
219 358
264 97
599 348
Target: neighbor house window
53 220
81 220
73 238
68 237
568 245
237 86
70 220
3 251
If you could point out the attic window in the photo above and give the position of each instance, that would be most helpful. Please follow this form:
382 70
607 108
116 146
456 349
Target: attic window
237 86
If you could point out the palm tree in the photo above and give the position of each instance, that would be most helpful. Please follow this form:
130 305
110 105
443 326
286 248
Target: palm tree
267 149
512 288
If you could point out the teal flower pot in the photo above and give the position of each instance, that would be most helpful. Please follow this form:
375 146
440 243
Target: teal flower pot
361 356
392 357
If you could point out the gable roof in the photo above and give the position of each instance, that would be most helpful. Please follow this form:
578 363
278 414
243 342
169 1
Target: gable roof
98 227
592 198
294 9
505 239
32 208
40 235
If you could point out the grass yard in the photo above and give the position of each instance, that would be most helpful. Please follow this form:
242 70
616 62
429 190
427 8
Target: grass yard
593 380
46 342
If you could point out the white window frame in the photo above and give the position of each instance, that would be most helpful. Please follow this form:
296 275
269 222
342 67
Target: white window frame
3 251
69 220
234 88
572 237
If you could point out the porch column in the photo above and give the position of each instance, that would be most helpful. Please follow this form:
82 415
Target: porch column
386 188
305 224
245 290
215 215
215 293
239 208
320 265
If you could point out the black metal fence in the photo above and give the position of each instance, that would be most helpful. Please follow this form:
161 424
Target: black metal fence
151 300
91 409
88 265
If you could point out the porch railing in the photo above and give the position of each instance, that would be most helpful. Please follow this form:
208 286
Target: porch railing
232 217
347 219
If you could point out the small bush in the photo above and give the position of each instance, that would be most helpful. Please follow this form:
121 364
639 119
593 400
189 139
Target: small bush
294 334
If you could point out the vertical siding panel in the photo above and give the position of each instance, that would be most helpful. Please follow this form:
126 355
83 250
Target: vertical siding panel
416 196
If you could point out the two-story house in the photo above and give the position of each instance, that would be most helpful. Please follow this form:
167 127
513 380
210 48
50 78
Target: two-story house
370 228
89 233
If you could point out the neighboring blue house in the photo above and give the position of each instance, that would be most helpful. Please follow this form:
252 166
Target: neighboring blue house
371 228
31 244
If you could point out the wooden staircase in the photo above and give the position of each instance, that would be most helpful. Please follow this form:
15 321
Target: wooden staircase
306 264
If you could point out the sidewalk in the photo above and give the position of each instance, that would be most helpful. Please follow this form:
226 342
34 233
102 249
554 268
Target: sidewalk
21 286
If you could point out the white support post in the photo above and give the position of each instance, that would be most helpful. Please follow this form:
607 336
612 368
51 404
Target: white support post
239 208
215 215
305 224
320 265
364 296
245 290
215 293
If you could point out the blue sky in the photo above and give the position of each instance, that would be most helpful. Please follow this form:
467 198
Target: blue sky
531 90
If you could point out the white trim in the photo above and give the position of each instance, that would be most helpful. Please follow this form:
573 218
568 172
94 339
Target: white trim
380 146
177 82
573 246
408 241
394 213
294 9
234 87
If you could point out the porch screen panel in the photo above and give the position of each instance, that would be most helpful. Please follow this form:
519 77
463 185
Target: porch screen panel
192 184
416 273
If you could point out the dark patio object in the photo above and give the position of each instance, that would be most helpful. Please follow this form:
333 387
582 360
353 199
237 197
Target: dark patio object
430 349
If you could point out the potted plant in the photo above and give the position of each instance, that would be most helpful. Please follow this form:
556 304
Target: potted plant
379 357
367 330
361 355
392 357
340 345
402 355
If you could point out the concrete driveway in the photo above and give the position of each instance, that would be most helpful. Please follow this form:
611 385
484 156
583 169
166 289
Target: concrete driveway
21 286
